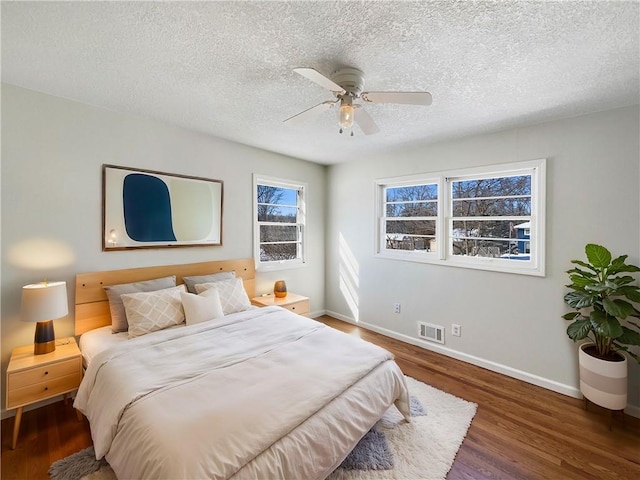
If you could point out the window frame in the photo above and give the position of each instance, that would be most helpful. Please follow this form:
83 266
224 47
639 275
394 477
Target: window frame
411 180
302 189
444 222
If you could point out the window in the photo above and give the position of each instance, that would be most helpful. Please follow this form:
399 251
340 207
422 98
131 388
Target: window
279 215
410 220
489 218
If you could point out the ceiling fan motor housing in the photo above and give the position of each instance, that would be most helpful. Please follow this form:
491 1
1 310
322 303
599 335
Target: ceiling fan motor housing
351 79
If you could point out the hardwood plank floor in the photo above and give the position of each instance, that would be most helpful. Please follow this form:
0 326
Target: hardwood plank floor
520 431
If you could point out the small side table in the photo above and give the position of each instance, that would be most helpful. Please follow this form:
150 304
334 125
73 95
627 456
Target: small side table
32 378
293 302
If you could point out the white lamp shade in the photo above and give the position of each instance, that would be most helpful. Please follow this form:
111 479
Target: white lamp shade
44 301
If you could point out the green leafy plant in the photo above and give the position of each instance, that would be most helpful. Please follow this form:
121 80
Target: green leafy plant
602 295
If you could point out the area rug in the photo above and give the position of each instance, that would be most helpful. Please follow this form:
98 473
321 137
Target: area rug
393 449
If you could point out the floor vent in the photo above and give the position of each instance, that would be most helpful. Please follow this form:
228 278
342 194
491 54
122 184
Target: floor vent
433 333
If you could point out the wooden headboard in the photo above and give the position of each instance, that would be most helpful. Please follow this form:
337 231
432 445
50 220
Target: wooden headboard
92 305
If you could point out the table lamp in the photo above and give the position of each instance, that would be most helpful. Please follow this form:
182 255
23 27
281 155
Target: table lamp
43 303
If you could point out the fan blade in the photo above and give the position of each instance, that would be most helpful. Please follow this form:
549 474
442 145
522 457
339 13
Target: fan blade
310 112
407 98
365 122
320 79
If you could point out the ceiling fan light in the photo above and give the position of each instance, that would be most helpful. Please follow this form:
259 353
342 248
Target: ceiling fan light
346 116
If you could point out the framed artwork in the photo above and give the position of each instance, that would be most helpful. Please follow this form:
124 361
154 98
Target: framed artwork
148 209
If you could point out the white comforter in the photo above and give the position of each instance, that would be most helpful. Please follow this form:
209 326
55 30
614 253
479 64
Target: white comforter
265 393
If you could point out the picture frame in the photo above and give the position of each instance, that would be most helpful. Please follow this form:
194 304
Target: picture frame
151 209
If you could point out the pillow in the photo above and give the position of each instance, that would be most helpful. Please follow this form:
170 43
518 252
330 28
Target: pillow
151 311
118 316
191 281
202 307
233 298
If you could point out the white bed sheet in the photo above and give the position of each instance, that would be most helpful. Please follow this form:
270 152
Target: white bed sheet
95 341
138 437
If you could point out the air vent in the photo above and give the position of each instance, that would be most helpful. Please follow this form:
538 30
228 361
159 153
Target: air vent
433 333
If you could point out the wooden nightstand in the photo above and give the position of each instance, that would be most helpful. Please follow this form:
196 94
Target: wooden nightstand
31 378
296 303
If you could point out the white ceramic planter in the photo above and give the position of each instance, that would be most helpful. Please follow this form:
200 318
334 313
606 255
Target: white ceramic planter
603 382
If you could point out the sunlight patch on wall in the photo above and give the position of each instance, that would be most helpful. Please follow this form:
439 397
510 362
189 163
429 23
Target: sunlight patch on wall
40 254
349 272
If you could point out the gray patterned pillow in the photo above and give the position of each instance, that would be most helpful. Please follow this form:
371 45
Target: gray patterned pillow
233 296
118 315
152 311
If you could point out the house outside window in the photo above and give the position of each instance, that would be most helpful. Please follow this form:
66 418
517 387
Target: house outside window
489 218
279 223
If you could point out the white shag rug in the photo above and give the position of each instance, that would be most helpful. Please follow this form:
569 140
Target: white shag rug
423 449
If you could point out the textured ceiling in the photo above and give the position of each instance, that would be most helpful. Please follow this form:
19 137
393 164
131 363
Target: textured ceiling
225 68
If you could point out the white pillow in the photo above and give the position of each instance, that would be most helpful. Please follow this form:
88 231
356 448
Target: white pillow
233 297
151 311
202 307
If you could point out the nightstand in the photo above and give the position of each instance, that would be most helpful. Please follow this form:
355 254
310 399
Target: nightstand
32 378
296 303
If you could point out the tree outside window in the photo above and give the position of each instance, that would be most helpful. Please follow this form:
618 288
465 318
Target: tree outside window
279 221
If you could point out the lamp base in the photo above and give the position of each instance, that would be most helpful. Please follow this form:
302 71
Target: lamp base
42 348
45 339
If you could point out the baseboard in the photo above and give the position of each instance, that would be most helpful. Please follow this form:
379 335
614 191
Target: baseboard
633 411
552 385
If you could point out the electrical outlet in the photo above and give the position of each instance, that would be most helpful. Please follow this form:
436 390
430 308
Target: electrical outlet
396 308
456 330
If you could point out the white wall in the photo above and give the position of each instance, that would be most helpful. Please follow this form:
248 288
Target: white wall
52 154
510 323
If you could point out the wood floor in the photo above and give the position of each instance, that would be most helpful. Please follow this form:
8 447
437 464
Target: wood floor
520 431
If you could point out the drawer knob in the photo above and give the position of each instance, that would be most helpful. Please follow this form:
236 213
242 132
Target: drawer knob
293 308
46 388
46 373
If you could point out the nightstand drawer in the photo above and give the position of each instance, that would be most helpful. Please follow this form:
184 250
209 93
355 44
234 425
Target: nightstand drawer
42 390
301 308
44 373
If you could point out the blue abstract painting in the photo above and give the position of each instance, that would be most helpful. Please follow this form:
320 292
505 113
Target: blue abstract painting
154 209
147 209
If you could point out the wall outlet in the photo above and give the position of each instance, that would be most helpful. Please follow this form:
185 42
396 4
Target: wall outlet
456 330
396 308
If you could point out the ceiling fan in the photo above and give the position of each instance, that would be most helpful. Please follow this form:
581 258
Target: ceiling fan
346 85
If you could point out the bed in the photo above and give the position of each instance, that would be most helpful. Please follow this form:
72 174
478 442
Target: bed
257 393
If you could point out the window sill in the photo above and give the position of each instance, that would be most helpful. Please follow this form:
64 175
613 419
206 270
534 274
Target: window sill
489 264
281 265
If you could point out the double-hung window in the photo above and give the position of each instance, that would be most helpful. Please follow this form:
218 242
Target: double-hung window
410 216
489 218
279 223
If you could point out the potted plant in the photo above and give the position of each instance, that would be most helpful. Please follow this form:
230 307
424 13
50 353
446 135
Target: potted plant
603 296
